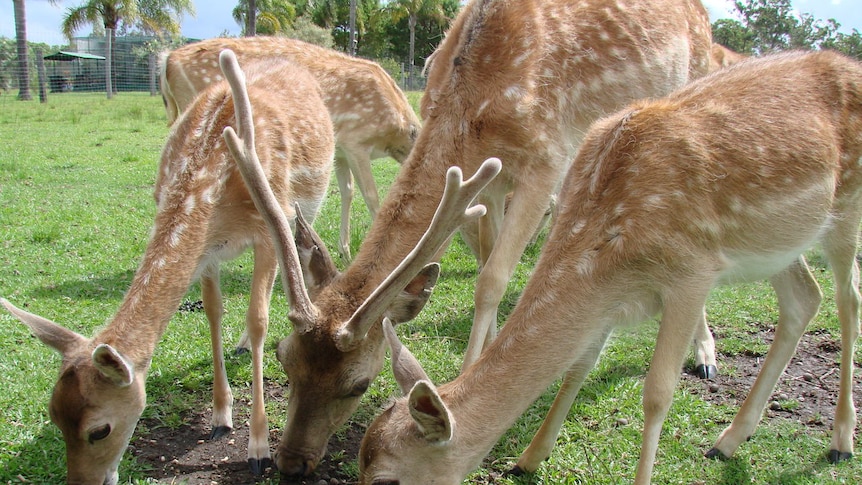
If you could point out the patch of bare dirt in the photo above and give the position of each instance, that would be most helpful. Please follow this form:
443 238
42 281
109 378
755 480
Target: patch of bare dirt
186 455
806 393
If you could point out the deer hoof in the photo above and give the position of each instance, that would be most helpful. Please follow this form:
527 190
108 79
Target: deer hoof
515 471
259 465
706 371
220 432
715 454
836 456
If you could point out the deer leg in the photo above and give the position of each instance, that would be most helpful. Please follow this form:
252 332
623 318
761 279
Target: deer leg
345 187
359 160
682 310
543 442
705 363
840 250
257 321
506 247
222 420
798 300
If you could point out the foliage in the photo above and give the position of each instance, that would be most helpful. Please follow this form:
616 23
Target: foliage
9 63
303 29
771 25
273 16
429 31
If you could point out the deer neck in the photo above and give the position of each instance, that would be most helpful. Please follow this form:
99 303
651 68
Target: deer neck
404 216
174 254
521 365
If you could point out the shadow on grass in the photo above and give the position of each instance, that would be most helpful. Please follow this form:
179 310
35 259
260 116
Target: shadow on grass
234 281
738 470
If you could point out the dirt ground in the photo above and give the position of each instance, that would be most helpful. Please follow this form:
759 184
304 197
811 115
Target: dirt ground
806 393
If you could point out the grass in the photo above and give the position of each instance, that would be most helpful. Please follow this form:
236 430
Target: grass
76 181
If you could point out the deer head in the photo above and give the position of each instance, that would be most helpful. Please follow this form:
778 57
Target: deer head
336 347
717 183
96 401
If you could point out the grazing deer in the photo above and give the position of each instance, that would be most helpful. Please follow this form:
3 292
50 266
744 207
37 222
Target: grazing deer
729 179
522 80
204 217
371 116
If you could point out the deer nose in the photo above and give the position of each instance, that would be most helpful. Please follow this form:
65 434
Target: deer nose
295 465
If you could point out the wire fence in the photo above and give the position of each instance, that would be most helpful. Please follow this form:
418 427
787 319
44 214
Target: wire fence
134 66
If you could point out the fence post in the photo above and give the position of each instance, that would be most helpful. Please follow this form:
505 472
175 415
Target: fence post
40 68
151 62
108 81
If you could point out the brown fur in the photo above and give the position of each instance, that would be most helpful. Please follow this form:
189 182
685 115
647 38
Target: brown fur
729 179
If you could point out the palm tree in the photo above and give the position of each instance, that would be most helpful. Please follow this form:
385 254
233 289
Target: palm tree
271 16
153 14
23 56
412 9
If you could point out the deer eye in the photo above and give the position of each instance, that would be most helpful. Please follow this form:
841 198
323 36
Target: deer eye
99 433
385 482
359 388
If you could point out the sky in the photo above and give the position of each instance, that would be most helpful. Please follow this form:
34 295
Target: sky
214 17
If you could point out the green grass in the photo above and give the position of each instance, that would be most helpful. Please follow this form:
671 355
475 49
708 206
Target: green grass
76 180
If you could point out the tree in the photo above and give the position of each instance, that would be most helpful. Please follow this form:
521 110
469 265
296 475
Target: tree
21 42
154 14
271 16
412 9
733 35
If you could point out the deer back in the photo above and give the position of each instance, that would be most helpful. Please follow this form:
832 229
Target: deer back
366 106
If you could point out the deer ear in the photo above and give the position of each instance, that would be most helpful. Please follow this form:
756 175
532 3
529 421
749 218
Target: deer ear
318 268
415 295
406 368
51 334
113 365
430 414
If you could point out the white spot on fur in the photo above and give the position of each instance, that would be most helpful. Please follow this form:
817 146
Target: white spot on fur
189 204
585 262
207 195
177 234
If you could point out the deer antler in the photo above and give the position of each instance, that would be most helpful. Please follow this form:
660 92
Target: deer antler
302 311
452 211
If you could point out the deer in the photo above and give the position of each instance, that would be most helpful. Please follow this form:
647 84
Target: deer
729 179
494 86
204 216
371 115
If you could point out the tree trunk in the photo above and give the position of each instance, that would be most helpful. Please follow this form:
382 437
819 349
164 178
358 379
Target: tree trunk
251 19
23 57
352 48
411 22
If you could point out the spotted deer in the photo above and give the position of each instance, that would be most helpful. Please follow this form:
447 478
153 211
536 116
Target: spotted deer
204 217
371 115
729 179
520 81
